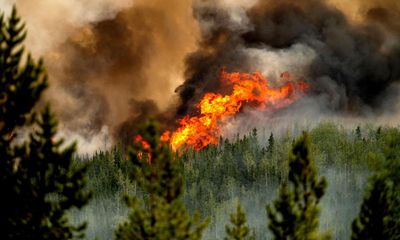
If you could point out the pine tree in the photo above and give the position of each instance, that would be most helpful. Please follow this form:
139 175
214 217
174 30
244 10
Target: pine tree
358 133
162 215
379 216
378 133
38 180
375 220
271 143
295 214
239 229
254 133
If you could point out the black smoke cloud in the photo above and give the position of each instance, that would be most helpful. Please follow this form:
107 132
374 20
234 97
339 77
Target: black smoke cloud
354 63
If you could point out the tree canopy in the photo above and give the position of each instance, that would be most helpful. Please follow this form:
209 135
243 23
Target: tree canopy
38 180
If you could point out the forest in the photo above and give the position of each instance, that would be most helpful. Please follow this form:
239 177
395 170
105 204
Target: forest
329 181
250 169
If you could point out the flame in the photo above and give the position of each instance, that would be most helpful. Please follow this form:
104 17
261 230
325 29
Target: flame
144 143
165 136
145 147
203 129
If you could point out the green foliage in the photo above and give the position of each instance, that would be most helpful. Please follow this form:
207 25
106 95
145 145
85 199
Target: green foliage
239 168
379 216
163 215
22 83
239 229
376 217
358 133
295 214
38 179
271 142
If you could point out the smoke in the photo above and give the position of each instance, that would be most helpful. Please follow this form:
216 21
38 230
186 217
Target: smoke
117 67
386 12
349 61
51 22
115 63
111 63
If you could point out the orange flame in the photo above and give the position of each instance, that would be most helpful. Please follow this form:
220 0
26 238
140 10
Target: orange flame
203 129
165 136
144 143
145 147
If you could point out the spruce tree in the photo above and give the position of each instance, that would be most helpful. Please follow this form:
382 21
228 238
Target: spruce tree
379 216
239 229
271 143
295 214
375 220
162 215
358 133
38 180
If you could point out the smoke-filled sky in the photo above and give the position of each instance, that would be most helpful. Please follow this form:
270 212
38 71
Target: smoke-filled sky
113 62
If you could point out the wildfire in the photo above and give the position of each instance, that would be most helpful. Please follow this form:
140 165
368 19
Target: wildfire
252 88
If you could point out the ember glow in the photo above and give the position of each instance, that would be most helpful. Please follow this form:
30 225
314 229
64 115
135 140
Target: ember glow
144 143
247 88
145 147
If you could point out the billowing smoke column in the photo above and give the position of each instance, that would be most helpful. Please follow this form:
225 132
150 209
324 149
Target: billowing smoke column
121 70
351 63
113 63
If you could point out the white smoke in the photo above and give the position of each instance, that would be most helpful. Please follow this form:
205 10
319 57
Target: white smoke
236 19
50 22
87 145
271 63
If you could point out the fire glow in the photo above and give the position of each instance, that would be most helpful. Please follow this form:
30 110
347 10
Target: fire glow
145 147
247 88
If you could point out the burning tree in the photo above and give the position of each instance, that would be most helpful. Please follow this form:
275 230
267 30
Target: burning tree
162 215
203 129
38 181
295 214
